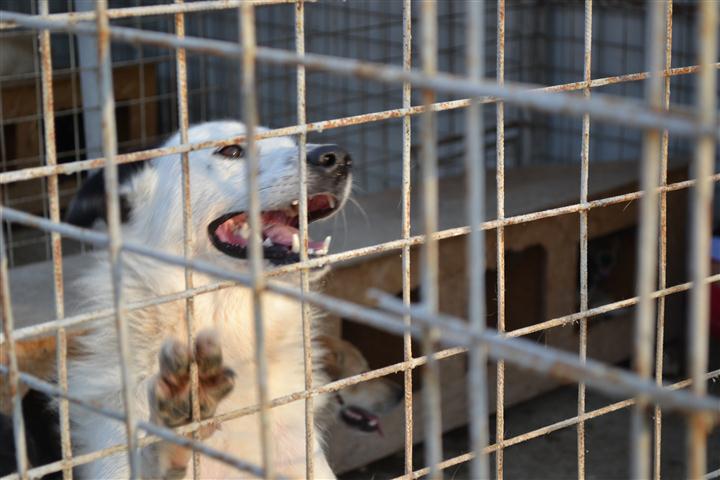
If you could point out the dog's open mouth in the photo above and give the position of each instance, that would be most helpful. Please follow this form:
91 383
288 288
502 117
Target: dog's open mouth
230 233
360 419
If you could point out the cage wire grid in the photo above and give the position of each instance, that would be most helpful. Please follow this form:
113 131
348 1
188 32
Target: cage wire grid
654 116
550 33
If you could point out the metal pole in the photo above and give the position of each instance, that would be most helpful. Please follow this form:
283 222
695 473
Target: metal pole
647 246
247 28
500 238
662 255
701 232
475 168
431 372
603 107
303 227
188 236
56 240
584 175
112 200
452 330
406 228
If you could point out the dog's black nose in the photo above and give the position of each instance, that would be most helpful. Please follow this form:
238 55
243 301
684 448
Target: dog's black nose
330 158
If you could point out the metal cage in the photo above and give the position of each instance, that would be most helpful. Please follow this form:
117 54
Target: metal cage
479 101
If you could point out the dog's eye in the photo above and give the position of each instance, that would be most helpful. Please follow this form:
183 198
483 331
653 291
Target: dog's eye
231 151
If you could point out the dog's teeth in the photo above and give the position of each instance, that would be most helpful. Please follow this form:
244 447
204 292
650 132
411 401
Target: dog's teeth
326 244
267 242
245 231
295 243
332 202
295 203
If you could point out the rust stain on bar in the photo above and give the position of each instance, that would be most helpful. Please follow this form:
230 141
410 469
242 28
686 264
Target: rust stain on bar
662 253
48 110
500 238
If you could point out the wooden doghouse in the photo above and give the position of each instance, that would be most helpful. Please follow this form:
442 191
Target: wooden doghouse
542 282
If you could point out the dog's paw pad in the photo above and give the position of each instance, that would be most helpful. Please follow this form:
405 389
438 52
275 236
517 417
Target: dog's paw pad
214 389
169 392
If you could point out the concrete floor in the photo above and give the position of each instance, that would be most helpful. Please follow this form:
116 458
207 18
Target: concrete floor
554 456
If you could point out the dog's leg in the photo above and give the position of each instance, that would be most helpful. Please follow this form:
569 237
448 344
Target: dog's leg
170 403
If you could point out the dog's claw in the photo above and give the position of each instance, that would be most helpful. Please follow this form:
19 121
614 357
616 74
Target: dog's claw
169 392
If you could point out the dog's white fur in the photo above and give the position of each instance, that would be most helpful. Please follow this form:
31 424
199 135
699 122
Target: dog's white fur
218 186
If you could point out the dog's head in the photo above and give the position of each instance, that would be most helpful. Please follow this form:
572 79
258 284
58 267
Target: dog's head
362 404
219 197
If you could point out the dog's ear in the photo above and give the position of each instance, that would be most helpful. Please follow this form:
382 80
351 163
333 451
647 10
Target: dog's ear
88 204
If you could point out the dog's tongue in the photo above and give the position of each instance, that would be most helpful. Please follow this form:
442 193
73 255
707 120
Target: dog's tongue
283 235
279 234
236 231
232 231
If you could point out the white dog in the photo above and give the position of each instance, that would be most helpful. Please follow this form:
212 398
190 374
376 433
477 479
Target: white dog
225 347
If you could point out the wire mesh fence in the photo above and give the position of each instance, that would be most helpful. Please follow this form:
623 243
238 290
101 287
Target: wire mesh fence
436 86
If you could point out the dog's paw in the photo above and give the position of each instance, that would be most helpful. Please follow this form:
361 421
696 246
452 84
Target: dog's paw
169 391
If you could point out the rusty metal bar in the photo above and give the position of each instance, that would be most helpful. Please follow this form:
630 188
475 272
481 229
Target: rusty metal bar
27 332
316 391
333 387
405 233
500 240
701 233
188 235
48 109
584 177
148 10
246 12
348 309
304 239
528 354
366 377
11 372
568 422
662 254
475 198
93 237
647 246
452 330
432 420
610 307
77 166
162 433
112 200
623 111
